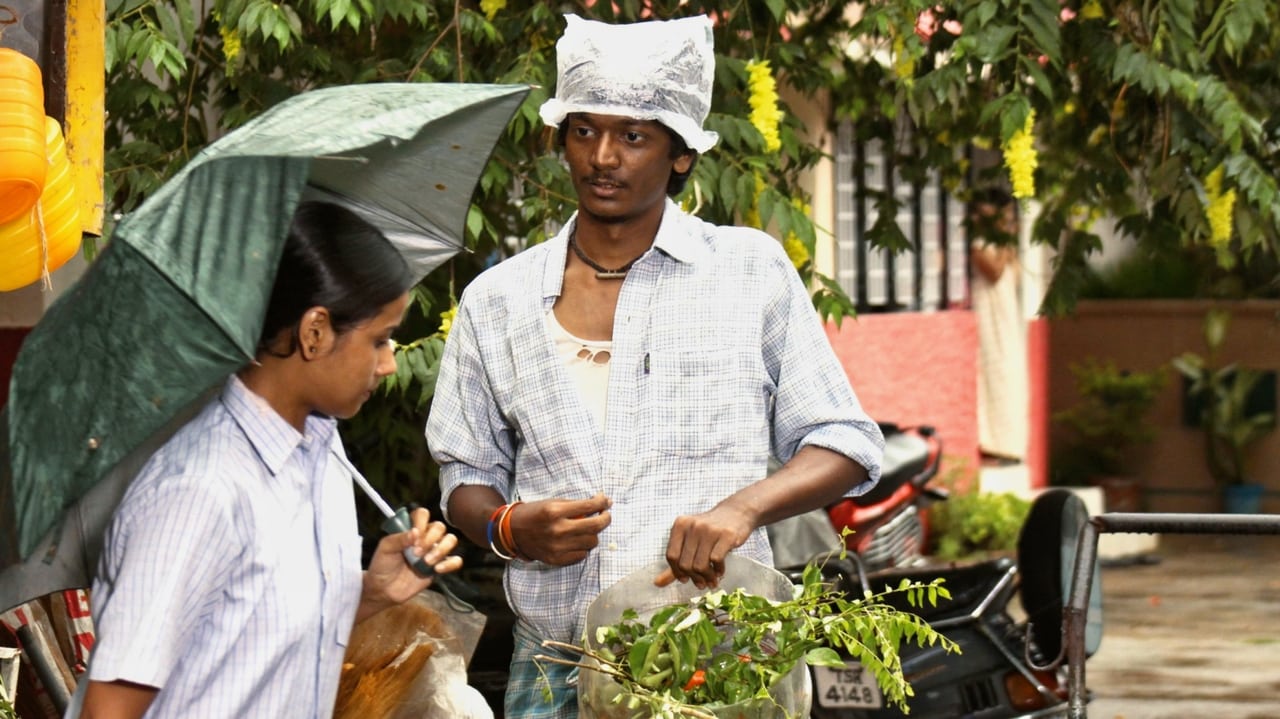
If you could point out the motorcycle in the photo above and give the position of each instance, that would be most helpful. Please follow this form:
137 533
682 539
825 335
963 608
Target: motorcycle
889 526
1006 615
1011 661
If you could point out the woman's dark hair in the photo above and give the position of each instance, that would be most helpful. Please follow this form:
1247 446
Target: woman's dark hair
677 181
332 259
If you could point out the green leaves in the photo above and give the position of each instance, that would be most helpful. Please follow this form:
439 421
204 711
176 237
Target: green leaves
271 21
738 645
156 39
417 366
972 524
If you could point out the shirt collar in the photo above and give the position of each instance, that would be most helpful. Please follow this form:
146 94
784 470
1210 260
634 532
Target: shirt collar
679 237
269 434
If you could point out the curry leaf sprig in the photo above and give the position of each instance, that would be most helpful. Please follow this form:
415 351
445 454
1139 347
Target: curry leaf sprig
723 648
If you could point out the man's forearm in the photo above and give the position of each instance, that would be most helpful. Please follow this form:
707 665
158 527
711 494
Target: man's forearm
815 477
470 507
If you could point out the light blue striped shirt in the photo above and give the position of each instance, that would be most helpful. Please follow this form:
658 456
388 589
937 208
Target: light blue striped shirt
231 572
718 359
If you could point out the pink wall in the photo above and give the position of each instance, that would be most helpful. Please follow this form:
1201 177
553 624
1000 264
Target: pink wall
922 368
1039 410
916 368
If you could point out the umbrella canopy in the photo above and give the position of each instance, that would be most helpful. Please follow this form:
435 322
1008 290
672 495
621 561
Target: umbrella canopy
174 304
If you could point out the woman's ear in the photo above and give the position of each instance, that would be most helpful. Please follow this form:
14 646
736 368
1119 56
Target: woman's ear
315 333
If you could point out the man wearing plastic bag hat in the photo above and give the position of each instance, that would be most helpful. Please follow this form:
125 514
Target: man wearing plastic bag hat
613 396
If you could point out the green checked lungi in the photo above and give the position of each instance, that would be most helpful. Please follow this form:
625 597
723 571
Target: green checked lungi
525 697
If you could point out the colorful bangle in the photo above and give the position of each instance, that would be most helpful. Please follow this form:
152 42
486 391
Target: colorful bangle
500 539
505 536
494 520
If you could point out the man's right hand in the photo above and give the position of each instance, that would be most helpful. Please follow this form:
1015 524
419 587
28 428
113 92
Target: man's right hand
560 531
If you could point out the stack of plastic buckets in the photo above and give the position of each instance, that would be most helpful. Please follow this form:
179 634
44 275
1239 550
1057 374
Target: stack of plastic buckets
39 214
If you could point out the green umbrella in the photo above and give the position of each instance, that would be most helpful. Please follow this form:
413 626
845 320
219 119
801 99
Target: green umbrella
174 304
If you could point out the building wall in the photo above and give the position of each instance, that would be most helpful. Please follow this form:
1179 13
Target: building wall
915 368
1143 335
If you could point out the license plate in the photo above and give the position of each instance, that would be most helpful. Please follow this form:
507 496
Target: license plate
850 688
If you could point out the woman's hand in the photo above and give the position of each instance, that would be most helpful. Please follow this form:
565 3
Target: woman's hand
116 700
390 580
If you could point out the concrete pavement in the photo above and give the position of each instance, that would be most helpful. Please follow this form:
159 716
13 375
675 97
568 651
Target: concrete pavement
1194 633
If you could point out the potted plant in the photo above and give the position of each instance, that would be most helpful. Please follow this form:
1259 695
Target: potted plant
1222 393
973 525
1106 424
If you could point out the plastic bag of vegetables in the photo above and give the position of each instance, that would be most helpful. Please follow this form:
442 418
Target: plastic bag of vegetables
740 651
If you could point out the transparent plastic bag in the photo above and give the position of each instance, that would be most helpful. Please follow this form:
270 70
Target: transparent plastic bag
792 695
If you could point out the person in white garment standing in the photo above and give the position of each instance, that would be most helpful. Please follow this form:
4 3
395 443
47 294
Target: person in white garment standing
1002 332
231 576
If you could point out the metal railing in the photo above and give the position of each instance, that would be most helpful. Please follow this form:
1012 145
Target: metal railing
1076 612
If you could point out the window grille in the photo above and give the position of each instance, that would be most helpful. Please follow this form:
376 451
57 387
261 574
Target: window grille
933 275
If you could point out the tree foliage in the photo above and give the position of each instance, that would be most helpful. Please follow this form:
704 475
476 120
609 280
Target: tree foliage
1159 114
181 74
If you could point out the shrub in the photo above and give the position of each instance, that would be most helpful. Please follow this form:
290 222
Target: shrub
977 523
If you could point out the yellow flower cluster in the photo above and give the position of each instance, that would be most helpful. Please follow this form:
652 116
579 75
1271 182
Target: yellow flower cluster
446 320
1020 159
492 7
904 65
765 114
1219 208
796 250
230 44
794 246
1092 10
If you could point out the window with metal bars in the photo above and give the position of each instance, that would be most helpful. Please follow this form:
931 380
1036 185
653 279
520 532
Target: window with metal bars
933 274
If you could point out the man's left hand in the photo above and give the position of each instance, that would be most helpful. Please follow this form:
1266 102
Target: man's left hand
699 544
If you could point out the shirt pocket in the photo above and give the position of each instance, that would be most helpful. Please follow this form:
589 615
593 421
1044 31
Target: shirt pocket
692 401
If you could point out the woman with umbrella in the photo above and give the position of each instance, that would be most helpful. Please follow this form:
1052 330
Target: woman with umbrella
231 577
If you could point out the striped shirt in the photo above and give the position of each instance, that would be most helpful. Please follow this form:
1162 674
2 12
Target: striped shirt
231 572
718 359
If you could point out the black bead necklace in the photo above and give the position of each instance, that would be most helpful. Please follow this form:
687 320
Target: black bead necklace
602 273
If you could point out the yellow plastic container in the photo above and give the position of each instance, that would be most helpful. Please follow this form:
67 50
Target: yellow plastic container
23 166
23 258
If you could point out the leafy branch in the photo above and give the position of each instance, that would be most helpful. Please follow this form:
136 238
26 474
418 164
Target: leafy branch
728 647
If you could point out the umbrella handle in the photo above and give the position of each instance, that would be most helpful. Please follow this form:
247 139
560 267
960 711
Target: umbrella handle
399 522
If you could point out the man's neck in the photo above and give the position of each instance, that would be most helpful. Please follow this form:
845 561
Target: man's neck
614 243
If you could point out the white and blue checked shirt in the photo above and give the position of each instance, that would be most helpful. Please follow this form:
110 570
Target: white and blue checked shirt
231 572
718 359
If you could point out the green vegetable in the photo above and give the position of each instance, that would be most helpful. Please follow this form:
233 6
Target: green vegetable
724 648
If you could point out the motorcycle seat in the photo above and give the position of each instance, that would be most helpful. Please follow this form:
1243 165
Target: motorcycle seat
968 584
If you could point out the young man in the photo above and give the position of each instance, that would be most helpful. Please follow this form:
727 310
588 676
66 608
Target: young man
612 396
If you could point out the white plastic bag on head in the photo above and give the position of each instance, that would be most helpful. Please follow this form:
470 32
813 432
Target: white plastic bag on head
657 70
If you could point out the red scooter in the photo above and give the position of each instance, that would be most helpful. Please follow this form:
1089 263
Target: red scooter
890 524
1005 615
